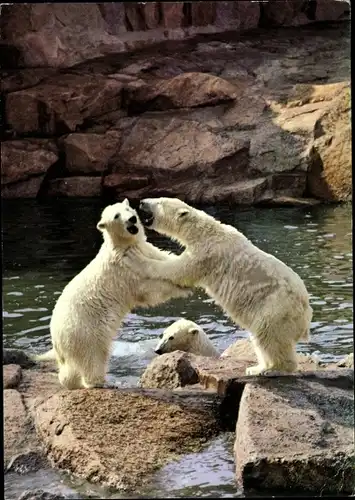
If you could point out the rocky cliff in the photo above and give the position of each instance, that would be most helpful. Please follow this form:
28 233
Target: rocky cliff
205 101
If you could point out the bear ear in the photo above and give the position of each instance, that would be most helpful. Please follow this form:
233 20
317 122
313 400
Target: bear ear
193 331
182 212
101 226
125 202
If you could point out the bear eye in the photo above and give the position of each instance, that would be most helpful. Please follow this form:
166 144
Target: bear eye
171 337
116 216
161 335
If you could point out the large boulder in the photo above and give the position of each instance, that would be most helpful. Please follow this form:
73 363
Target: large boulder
24 164
183 91
90 153
61 104
297 434
118 437
330 175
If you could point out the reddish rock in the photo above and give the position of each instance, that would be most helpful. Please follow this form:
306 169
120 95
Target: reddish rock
134 16
89 153
273 15
25 158
57 35
23 189
151 15
78 186
169 371
203 13
114 15
183 91
11 376
62 104
181 149
19 79
122 182
332 10
297 435
330 173
17 428
237 15
172 14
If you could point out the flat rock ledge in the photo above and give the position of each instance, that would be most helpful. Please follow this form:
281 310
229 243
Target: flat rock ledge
294 432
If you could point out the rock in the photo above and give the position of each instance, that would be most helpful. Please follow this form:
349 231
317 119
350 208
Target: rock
203 14
330 174
183 91
172 14
237 15
134 433
273 15
25 158
78 186
42 495
169 371
11 376
31 461
19 436
191 154
62 104
90 153
332 10
19 79
297 435
16 357
57 36
223 375
24 189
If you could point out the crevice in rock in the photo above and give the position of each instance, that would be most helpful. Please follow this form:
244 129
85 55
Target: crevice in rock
56 170
187 12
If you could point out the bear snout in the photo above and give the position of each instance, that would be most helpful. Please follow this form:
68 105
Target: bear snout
133 219
158 351
145 213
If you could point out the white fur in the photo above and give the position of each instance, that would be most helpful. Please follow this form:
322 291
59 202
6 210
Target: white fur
185 335
92 306
258 291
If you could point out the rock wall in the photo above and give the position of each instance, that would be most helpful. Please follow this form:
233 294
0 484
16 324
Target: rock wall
242 118
60 35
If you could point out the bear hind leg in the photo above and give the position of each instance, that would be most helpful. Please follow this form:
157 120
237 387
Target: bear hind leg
69 377
274 354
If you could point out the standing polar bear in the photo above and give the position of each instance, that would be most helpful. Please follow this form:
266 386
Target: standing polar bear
92 306
258 291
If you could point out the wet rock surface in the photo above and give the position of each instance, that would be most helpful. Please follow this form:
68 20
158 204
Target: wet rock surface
132 435
235 118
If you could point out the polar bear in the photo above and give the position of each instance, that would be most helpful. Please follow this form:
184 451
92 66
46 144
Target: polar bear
185 335
93 304
255 289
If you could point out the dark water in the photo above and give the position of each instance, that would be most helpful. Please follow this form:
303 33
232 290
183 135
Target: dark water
45 245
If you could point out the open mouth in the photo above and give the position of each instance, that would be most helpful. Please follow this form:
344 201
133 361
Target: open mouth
132 229
146 217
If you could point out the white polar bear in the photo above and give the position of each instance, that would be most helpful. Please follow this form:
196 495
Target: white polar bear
258 291
93 304
185 335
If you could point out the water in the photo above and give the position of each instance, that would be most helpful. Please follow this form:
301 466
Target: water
45 245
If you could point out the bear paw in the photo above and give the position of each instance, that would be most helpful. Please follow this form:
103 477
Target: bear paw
255 370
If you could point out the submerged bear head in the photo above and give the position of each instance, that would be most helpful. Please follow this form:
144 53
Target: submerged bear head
121 220
179 336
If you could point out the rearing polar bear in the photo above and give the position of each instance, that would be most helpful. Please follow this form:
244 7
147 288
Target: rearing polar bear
92 306
258 291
